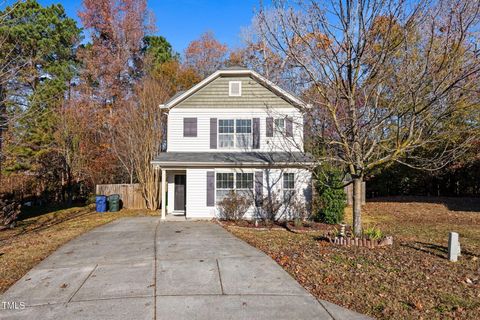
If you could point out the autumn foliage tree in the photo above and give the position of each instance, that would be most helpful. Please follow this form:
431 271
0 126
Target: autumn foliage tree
112 64
389 81
206 55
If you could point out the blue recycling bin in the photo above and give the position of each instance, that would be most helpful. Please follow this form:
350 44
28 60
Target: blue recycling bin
101 203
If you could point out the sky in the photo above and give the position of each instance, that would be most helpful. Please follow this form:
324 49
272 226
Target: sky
181 21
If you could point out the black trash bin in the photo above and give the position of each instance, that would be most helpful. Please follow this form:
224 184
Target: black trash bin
114 202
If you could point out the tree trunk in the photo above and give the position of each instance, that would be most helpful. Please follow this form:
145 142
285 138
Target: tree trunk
357 206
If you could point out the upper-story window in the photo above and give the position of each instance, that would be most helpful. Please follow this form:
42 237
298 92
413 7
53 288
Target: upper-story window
235 88
243 133
226 133
280 125
234 133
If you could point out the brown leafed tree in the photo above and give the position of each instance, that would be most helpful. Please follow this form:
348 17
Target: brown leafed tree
206 55
141 132
176 76
388 80
112 64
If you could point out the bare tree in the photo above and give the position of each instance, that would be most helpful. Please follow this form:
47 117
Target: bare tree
140 135
389 80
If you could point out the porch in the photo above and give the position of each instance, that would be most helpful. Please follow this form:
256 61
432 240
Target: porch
173 202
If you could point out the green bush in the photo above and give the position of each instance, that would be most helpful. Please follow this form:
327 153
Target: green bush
373 233
330 199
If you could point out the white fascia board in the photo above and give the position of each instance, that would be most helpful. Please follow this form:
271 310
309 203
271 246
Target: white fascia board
272 85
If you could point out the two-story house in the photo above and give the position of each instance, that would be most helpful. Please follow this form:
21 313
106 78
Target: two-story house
235 130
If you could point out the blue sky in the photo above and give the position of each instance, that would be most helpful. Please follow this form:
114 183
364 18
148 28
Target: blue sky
182 21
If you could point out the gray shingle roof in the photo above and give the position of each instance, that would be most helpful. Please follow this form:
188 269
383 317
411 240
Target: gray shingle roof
179 93
232 158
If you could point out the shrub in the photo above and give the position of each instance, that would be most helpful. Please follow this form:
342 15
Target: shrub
271 205
298 210
9 210
234 206
331 198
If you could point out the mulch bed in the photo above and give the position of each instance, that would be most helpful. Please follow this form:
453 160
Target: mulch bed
305 227
249 224
412 279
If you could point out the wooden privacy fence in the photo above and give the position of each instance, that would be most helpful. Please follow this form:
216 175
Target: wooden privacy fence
130 194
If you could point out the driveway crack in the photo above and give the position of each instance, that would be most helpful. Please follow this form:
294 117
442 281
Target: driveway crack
220 277
81 285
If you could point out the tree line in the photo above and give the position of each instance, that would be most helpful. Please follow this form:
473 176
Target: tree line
391 84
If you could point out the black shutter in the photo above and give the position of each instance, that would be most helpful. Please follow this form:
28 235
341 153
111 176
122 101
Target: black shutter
213 133
210 188
269 127
289 127
256 133
189 127
258 188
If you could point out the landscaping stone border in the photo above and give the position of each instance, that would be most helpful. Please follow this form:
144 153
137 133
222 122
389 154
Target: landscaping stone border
360 242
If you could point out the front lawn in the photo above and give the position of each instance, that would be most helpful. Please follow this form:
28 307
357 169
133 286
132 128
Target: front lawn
411 280
35 238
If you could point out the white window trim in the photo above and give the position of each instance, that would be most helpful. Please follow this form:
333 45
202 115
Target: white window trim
234 181
223 134
230 83
235 146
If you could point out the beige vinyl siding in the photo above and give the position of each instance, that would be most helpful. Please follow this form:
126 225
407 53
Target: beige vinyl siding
216 95
177 142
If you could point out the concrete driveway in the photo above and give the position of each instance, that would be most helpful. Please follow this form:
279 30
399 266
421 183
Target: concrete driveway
141 268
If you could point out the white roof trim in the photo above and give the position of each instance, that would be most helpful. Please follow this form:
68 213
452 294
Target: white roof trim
167 164
219 73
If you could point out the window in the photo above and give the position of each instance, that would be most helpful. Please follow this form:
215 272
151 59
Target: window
280 125
235 88
224 184
226 132
243 133
234 133
244 184
288 186
241 183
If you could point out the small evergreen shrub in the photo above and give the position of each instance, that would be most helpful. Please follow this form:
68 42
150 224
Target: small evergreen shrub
331 198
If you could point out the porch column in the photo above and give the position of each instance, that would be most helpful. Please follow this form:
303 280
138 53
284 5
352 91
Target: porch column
163 189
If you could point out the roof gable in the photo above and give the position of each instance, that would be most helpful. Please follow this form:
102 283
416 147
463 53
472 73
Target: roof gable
213 91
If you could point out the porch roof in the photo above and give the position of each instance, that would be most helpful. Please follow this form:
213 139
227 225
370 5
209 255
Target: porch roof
233 159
